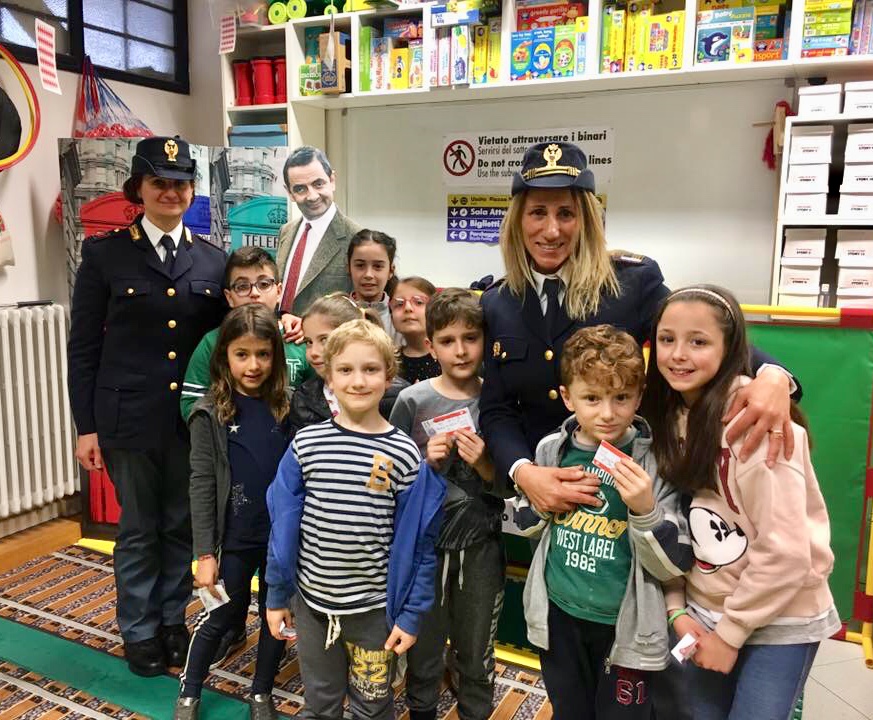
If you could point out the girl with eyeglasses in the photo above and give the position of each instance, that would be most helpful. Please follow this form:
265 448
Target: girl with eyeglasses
408 303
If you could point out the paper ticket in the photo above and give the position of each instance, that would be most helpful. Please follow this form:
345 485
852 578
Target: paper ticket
209 601
450 422
684 648
287 632
607 456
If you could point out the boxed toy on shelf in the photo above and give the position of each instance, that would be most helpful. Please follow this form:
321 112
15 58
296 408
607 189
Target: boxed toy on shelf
635 39
742 31
549 40
725 35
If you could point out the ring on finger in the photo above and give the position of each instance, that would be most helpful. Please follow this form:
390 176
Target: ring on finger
776 433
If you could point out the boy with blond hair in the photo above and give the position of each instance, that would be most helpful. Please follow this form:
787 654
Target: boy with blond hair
355 514
593 600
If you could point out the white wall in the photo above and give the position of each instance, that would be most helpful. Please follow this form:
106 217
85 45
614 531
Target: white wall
28 190
689 188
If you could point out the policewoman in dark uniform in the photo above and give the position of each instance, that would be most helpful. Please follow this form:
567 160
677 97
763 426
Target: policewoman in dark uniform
560 277
143 298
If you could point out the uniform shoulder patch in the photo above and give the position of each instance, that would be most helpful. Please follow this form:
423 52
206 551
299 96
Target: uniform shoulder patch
627 257
495 284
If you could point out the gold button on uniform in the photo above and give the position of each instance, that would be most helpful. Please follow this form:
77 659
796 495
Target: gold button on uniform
171 324
174 386
549 355
553 394
171 355
503 356
208 291
171 291
130 291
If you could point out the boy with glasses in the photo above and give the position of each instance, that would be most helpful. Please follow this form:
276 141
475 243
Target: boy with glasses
249 276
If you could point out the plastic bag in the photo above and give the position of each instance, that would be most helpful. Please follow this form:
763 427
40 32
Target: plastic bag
101 113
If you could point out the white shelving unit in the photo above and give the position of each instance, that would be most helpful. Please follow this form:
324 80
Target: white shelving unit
830 221
305 114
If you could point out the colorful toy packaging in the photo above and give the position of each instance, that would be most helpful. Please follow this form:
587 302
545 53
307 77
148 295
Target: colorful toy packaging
542 49
581 44
480 54
564 57
460 60
530 16
520 48
416 63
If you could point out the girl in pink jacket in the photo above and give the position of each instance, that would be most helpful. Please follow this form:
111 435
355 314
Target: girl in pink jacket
756 599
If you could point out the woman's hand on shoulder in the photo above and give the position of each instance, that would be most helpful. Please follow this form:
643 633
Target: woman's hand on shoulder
767 404
552 489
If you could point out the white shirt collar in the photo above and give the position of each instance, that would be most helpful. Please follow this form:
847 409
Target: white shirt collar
540 279
319 225
155 234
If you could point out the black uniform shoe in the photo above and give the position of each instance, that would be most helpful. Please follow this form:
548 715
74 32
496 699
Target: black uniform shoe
230 642
145 658
175 640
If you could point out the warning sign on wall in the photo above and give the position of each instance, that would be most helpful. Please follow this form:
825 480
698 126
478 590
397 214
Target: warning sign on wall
490 158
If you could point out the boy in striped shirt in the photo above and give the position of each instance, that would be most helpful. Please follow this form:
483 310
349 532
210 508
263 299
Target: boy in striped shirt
355 515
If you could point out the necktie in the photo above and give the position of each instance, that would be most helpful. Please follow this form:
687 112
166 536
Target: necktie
550 288
170 247
294 272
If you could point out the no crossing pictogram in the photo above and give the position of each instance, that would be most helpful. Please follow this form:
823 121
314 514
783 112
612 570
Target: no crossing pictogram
459 158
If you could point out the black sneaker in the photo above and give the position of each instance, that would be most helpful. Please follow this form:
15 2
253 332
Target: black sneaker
230 642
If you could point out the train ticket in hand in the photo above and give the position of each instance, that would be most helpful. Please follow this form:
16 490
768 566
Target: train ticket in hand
449 423
685 648
607 456
210 602
287 632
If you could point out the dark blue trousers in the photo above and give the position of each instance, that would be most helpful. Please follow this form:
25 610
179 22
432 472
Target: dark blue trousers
236 570
153 547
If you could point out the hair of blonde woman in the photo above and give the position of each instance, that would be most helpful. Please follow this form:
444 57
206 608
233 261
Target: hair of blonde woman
361 331
588 271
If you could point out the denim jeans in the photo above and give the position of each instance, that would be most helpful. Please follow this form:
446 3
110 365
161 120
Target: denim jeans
764 684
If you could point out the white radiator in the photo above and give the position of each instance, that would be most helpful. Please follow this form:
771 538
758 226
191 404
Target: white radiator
37 440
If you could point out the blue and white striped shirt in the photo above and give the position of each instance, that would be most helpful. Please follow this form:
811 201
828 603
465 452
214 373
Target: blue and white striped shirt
351 480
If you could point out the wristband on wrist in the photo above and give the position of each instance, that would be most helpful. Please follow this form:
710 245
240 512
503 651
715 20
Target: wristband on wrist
677 614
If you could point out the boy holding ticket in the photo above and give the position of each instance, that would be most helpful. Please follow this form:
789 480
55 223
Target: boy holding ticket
441 415
593 600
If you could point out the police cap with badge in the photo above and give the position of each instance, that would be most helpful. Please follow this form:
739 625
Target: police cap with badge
553 165
166 157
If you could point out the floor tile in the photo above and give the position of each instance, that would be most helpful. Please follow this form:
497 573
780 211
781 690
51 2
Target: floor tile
832 651
849 680
819 703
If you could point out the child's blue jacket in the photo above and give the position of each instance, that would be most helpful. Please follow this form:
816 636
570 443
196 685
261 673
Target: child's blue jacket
412 559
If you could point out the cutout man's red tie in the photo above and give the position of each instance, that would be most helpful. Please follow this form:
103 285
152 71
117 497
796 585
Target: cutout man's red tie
294 272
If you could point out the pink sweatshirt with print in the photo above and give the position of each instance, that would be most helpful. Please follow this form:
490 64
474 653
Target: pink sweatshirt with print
761 543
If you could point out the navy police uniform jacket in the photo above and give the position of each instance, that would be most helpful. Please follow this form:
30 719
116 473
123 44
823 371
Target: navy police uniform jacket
133 329
520 401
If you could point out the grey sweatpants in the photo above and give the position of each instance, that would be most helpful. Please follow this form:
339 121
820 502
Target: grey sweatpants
356 664
467 605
